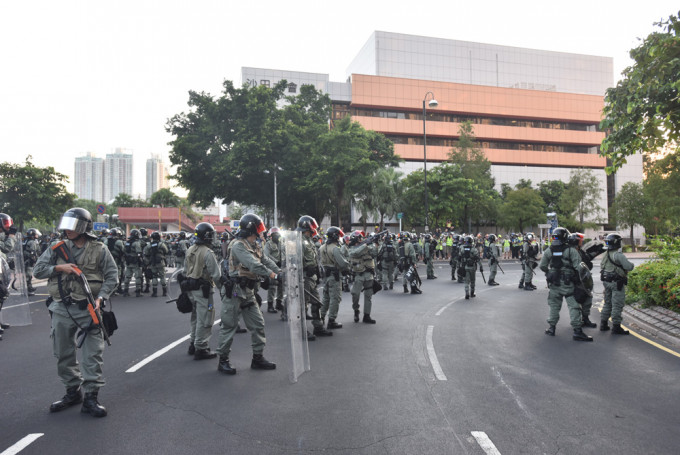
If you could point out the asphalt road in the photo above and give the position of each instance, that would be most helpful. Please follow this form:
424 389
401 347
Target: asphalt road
437 374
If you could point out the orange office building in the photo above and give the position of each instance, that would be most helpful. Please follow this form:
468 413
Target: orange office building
535 113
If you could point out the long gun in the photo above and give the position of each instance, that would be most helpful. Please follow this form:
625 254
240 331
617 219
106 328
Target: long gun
481 270
374 237
62 250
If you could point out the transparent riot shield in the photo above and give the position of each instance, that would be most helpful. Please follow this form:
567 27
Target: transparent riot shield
294 288
173 286
15 308
586 277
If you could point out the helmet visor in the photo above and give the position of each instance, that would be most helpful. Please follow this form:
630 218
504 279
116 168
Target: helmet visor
70 223
6 222
260 228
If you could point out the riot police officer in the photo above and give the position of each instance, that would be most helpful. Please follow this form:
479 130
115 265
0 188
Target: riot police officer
469 255
561 264
429 249
31 248
182 247
494 253
334 265
147 274
273 250
362 257
133 263
387 256
583 290
529 261
155 253
246 264
614 270
308 226
117 249
408 259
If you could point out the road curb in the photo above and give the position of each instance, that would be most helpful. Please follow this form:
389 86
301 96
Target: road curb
647 327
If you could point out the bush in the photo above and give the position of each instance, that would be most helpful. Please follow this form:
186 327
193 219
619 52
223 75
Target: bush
658 282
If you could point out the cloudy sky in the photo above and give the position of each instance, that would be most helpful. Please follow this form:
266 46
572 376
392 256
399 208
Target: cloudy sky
89 76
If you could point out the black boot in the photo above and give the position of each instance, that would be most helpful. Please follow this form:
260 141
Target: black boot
333 325
579 335
138 293
472 293
310 336
604 325
270 307
165 291
406 289
391 286
322 332
528 286
415 290
239 329
521 284
618 330
126 293
588 323
356 315
493 283
367 319
203 354
91 405
224 366
550 330
192 349
146 289
467 295
73 396
279 305
155 292
260 363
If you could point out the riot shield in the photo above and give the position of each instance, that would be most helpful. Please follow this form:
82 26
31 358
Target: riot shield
173 286
594 248
294 288
585 277
15 308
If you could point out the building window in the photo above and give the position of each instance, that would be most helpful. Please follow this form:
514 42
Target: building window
264 82
292 87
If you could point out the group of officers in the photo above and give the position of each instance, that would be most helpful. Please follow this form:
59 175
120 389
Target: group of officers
248 265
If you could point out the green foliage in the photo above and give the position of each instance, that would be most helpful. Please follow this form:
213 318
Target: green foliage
383 197
164 198
125 200
630 207
662 194
581 200
642 113
551 192
35 194
658 282
521 208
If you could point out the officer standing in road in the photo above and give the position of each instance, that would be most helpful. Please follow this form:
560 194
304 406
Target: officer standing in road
469 254
387 255
334 265
614 270
31 249
273 250
454 260
155 253
8 239
69 309
586 295
133 263
530 261
117 249
560 264
407 258
247 263
202 272
429 249
147 275
363 265
182 247
308 226
494 255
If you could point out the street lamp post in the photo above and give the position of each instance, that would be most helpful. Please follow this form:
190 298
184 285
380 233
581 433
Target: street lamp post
433 103
276 205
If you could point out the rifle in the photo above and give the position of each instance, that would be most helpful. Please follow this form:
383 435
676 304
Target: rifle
481 270
374 238
313 297
62 250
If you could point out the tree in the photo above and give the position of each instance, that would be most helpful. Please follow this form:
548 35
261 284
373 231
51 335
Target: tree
582 199
125 200
384 196
642 113
481 199
662 194
522 207
630 207
551 192
164 198
30 193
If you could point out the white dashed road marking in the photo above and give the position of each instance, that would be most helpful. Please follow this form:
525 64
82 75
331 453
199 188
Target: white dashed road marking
485 443
22 444
439 374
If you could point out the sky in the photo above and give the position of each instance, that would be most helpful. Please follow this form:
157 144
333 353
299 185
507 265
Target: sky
82 76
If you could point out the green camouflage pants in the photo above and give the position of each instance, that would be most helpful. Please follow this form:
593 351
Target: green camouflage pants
332 295
613 302
232 308
202 318
363 282
557 293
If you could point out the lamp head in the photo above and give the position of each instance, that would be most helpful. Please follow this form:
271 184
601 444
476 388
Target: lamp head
433 103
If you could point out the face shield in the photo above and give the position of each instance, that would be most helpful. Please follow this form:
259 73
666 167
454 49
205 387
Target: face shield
69 223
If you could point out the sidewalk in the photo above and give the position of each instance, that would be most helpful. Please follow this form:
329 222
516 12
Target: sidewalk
658 321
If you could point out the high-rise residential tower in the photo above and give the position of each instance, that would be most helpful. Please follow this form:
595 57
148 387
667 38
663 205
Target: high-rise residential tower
117 174
156 175
89 177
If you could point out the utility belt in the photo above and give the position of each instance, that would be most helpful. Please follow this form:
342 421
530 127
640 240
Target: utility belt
68 301
194 284
613 277
246 282
332 271
557 277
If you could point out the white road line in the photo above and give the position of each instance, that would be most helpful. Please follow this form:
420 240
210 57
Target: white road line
444 307
158 353
22 444
439 374
485 443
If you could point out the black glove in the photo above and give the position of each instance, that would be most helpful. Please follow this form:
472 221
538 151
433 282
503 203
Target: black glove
481 269
279 277
12 230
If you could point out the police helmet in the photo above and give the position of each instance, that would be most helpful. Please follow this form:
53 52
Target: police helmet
77 220
346 239
528 237
134 234
492 238
104 232
33 233
6 221
428 237
156 236
204 233
613 241
469 240
116 232
182 235
334 234
574 238
250 224
356 237
560 236
143 232
275 233
307 223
